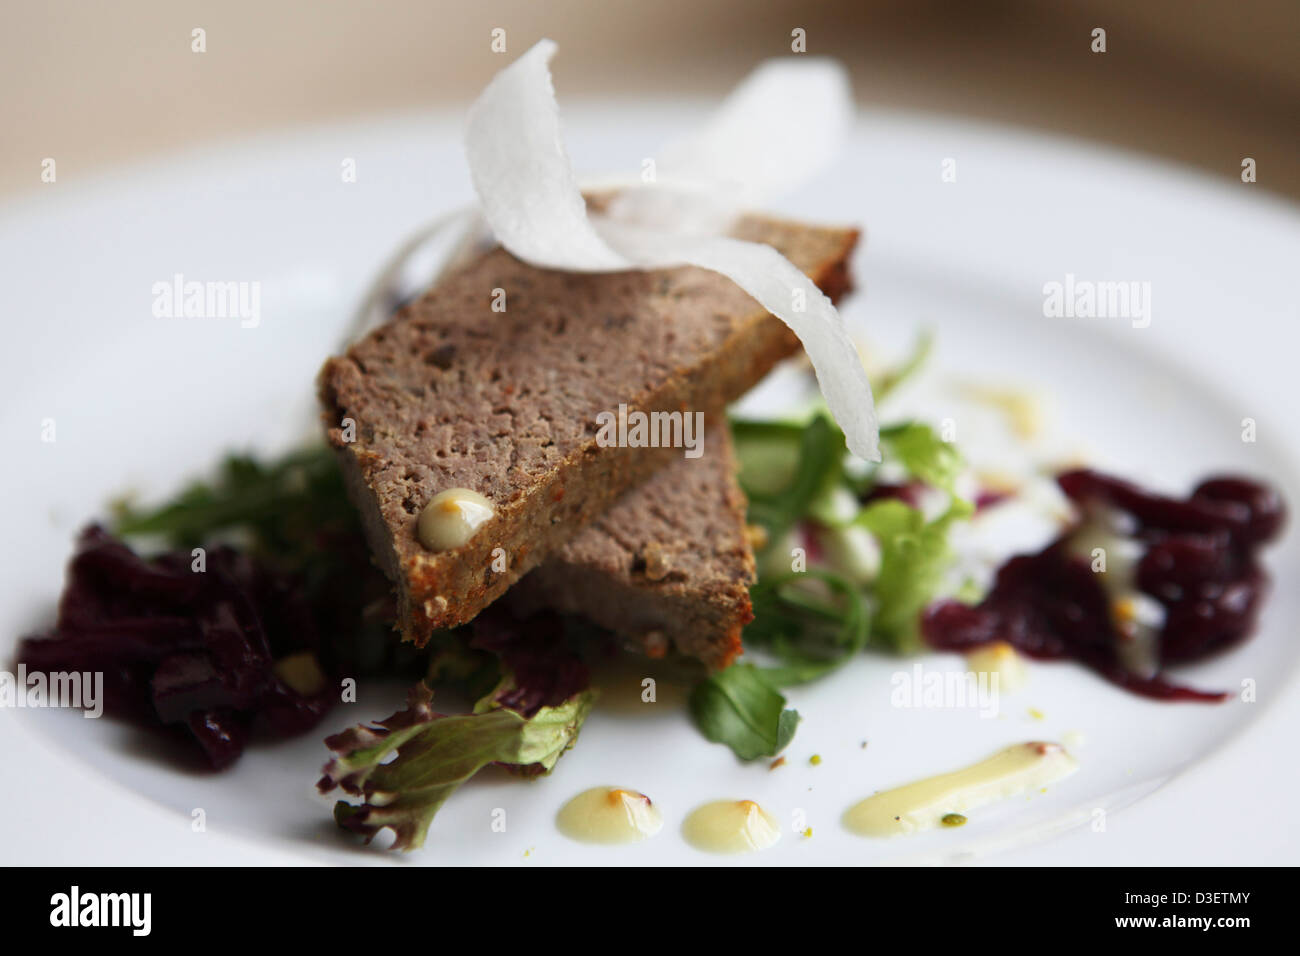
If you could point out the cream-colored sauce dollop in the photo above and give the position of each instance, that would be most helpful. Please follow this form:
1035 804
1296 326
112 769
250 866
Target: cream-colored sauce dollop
609 815
923 804
1001 659
731 826
452 517
1138 617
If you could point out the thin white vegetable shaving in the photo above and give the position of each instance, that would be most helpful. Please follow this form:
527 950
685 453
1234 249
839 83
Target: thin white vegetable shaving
532 202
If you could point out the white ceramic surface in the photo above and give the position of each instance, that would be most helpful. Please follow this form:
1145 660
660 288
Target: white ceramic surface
141 402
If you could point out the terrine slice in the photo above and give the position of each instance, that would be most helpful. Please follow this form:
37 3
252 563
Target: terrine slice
668 565
494 382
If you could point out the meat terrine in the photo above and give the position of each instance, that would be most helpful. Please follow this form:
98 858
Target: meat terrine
668 565
494 380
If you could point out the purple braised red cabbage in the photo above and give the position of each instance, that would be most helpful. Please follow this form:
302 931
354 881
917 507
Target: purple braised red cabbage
186 648
544 666
1200 562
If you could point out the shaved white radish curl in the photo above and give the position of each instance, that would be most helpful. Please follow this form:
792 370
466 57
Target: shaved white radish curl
532 202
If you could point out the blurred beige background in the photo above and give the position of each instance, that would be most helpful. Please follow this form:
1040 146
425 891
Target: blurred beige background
94 83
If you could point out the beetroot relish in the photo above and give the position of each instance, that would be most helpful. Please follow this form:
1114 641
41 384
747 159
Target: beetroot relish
1200 563
185 650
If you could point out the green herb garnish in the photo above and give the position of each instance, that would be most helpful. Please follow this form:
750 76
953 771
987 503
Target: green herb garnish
741 708
283 506
811 622
785 468
867 588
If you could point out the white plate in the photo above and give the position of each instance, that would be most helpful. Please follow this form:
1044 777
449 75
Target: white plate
141 402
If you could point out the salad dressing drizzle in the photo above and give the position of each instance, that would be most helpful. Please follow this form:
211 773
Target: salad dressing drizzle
924 804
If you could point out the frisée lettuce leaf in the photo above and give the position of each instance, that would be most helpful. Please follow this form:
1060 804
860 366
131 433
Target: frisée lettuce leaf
914 556
925 455
405 767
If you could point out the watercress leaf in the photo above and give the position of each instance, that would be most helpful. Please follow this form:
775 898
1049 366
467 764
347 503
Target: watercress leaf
812 623
741 708
283 508
818 451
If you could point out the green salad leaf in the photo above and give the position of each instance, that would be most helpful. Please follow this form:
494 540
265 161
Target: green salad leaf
914 556
293 513
740 707
887 382
875 562
812 622
786 467
284 505
926 456
405 767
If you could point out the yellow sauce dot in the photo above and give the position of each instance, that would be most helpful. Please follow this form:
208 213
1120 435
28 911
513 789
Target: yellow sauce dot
452 517
609 815
731 826
1002 660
